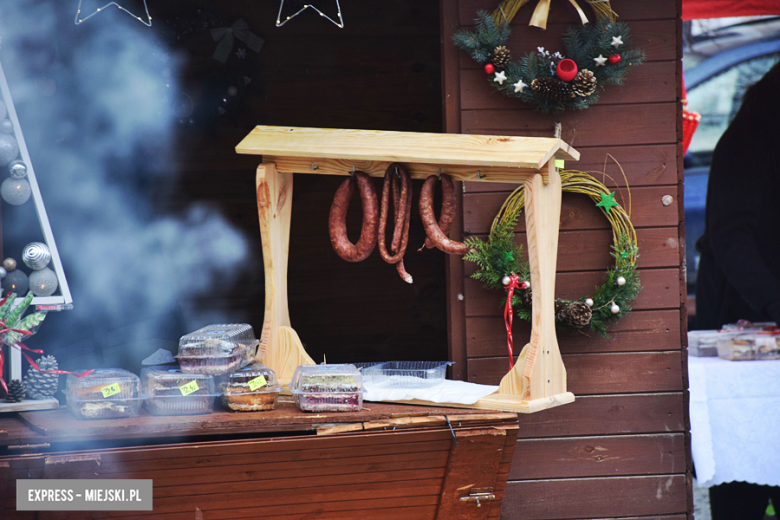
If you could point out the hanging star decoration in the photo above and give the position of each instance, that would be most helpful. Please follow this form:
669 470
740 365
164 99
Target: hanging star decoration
500 77
600 61
339 24
80 19
607 202
617 41
519 86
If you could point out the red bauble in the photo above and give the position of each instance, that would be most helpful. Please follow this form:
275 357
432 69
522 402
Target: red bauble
566 70
489 68
615 58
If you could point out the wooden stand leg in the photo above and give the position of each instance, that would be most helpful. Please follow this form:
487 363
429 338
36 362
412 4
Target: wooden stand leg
280 349
539 373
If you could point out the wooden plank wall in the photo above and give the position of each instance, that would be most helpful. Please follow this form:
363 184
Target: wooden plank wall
622 449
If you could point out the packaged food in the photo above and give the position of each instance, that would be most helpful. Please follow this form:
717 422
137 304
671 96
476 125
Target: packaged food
704 343
327 388
106 393
749 326
749 346
406 374
169 391
217 349
250 389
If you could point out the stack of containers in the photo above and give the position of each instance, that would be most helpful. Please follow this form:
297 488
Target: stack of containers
327 388
221 351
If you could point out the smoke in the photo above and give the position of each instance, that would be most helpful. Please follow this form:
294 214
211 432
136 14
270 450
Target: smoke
94 102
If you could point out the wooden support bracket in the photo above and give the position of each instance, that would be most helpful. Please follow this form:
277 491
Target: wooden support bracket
538 379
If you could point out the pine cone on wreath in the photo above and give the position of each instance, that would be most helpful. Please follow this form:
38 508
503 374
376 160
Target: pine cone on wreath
528 297
501 57
561 311
40 385
15 391
552 89
584 83
578 315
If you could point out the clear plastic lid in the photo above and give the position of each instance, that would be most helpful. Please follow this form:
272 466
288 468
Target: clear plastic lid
255 375
172 382
749 346
219 340
123 384
326 378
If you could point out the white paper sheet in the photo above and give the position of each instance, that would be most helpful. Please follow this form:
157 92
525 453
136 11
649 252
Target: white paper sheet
458 392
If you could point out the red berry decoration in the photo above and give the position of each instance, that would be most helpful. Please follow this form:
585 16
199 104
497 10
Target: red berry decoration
489 68
566 70
615 58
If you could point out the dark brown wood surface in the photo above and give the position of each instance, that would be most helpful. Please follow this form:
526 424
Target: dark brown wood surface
621 450
60 425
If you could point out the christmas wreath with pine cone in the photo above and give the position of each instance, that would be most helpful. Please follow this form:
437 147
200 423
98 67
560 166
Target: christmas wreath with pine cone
500 259
596 54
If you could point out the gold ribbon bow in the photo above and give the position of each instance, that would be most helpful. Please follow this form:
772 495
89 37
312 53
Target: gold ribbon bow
508 8
225 36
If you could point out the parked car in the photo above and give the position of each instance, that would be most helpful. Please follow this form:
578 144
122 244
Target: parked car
715 89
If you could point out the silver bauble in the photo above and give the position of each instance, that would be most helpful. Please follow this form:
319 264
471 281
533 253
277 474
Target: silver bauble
16 281
3 273
9 149
15 191
6 126
589 302
9 264
18 169
43 282
3 110
505 280
614 309
620 281
36 255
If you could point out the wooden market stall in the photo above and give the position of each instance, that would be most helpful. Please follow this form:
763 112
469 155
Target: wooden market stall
621 450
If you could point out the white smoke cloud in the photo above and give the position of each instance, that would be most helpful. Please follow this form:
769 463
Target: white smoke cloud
94 104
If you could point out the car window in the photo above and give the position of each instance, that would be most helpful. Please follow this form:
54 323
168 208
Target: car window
718 98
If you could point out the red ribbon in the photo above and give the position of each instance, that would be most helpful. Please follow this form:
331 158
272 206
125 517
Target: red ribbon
514 283
21 347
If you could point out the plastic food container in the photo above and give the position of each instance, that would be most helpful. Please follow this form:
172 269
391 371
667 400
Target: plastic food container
217 349
327 388
253 388
704 343
406 374
749 346
746 326
169 391
107 393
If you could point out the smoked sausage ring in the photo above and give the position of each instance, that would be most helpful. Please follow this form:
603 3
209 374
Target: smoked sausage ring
432 228
447 209
337 221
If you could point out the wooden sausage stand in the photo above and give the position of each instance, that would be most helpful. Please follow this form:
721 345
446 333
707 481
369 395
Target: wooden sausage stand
387 461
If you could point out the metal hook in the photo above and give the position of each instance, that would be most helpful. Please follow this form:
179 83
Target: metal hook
480 176
396 170
353 171
314 168
439 173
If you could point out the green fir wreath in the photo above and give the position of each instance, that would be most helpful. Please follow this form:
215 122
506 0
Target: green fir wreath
500 257
596 54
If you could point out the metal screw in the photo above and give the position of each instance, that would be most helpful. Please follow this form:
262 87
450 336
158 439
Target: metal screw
666 200
461 297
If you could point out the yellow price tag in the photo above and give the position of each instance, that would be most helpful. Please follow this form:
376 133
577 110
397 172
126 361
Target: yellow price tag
110 390
189 388
258 382
559 163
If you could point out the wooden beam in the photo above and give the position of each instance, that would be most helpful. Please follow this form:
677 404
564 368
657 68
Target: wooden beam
406 147
374 168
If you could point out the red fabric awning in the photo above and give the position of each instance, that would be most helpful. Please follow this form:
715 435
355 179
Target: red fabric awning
693 9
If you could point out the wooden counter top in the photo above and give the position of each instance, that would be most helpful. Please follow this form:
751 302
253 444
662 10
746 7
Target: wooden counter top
61 425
